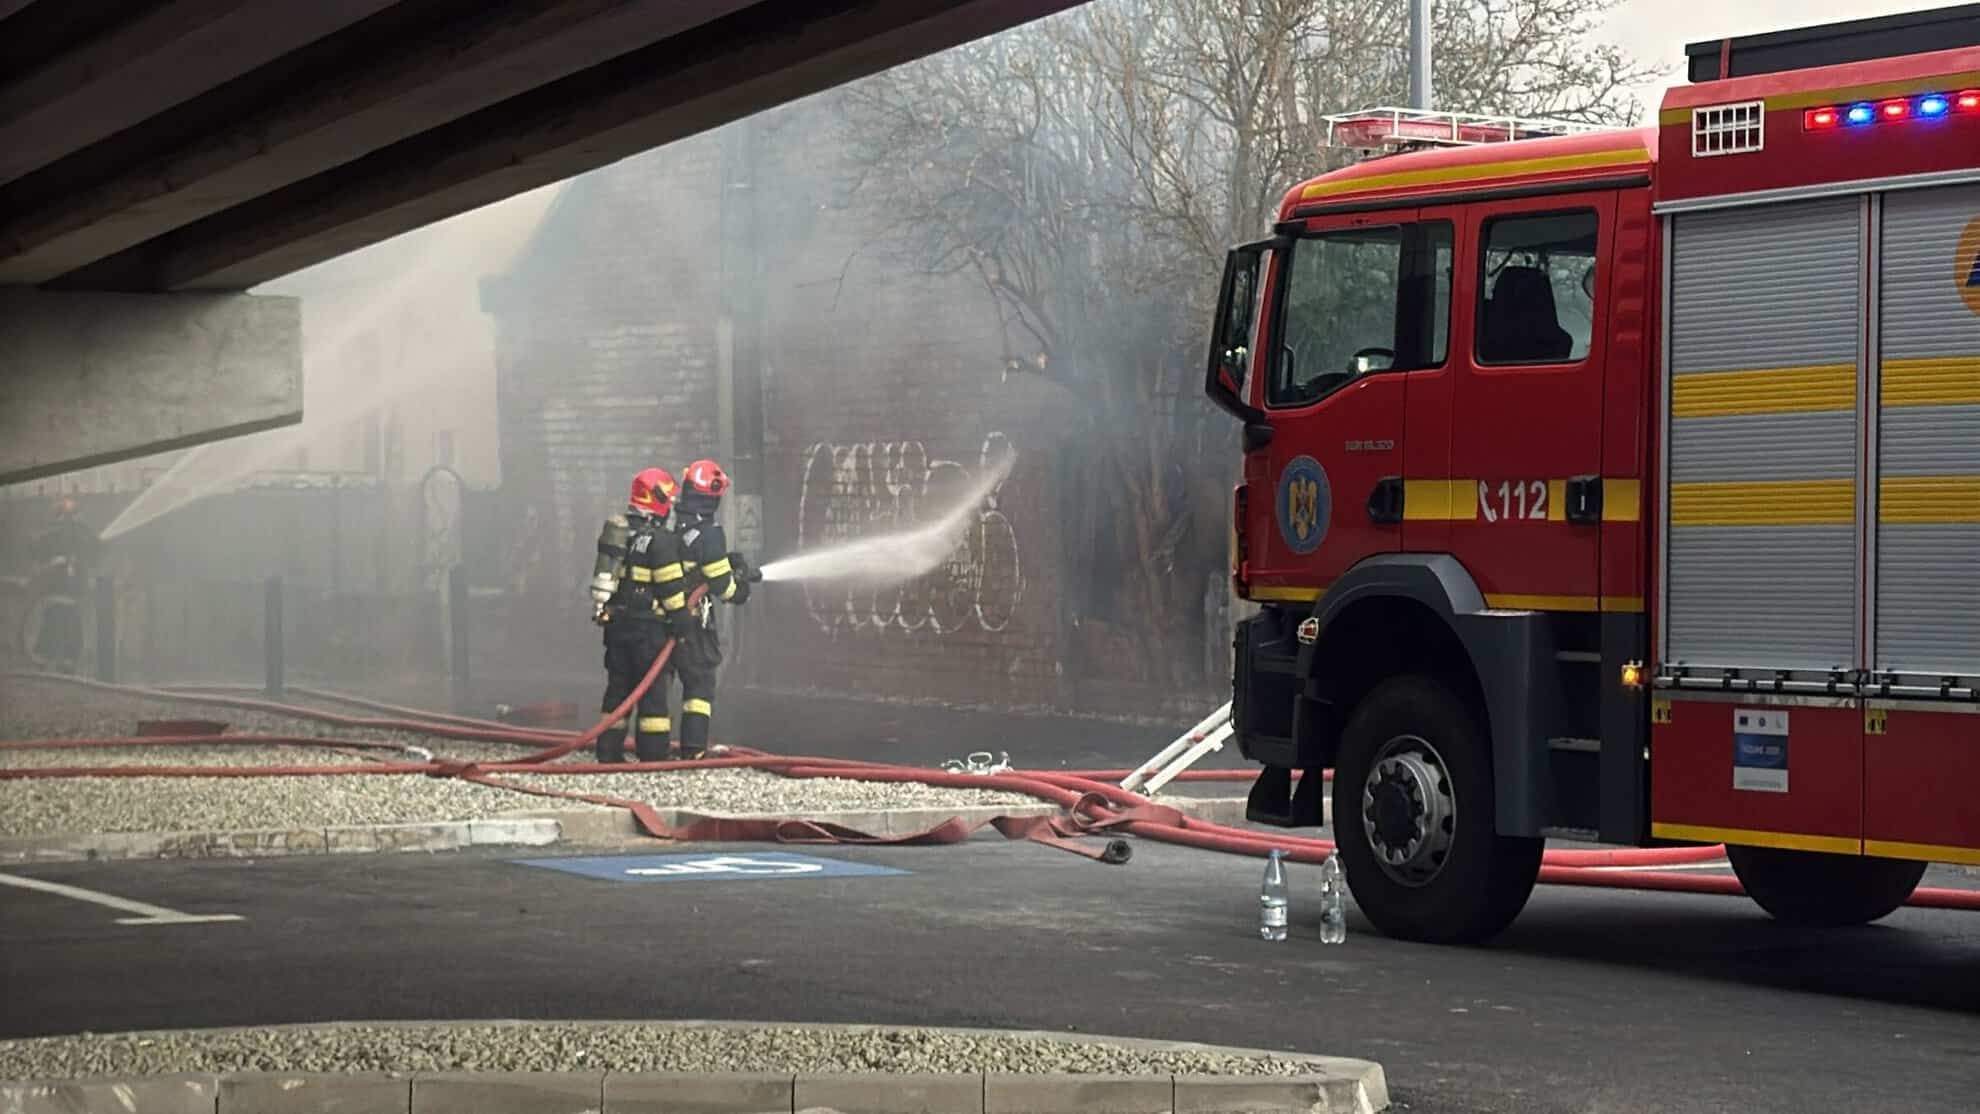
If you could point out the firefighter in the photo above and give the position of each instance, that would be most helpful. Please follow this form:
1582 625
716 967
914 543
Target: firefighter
638 566
708 561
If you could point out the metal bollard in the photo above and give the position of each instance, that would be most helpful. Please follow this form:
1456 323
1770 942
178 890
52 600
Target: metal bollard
106 629
271 643
457 643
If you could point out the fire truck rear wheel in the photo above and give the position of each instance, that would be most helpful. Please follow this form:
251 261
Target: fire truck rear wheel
1413 818
1815 888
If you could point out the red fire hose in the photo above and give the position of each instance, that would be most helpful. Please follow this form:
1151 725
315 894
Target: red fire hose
1092 805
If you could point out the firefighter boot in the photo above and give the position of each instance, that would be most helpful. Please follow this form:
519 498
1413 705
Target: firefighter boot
651 737
695 713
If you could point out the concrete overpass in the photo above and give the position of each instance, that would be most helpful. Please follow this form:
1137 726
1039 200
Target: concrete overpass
159 157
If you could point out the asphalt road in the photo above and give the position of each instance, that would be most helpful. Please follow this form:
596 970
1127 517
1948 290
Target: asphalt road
1594 1001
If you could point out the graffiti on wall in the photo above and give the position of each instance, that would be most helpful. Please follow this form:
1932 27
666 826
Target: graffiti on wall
874 487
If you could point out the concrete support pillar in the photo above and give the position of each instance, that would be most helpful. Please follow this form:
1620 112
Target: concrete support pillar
88 378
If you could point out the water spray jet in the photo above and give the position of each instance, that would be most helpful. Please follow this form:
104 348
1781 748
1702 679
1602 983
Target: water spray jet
893 558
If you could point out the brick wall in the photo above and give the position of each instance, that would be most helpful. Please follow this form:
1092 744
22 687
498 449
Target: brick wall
884 395
605 364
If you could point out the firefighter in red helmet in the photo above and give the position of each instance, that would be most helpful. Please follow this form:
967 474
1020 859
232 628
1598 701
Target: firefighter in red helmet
637 573
706 557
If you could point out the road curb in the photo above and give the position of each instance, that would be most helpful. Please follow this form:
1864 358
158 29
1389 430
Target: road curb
1331 1085
256 843
522 828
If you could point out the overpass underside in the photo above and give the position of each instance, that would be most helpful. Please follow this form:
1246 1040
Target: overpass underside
159 158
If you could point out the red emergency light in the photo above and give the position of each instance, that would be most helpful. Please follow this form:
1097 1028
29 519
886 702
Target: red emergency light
1924 106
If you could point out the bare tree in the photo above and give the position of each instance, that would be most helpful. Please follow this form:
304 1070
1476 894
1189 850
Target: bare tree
1090 171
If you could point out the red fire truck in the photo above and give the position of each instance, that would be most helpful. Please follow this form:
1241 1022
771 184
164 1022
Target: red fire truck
1625 486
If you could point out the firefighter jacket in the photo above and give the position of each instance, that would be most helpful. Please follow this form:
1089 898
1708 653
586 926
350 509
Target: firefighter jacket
705 553
652 580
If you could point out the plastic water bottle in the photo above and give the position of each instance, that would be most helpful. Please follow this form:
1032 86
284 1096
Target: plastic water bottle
1273 900
1333 901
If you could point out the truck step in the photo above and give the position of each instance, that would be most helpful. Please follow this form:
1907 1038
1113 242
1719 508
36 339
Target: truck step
1274 800
1586 835
1588 746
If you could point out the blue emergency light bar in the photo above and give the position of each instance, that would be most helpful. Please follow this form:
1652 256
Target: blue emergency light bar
1927 106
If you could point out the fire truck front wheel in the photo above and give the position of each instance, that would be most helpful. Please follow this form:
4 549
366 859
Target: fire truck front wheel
1816 888
1413 818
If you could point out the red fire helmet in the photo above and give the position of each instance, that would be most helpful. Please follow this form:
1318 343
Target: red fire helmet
707 478
652 491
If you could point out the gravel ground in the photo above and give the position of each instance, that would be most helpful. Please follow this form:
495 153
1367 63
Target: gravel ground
579 1047
44 709
57 806
31 807
753 791
188 756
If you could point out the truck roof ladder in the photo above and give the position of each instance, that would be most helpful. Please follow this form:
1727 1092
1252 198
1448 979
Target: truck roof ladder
1387 129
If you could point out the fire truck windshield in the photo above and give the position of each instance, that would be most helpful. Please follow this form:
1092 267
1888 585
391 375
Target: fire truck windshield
1361 301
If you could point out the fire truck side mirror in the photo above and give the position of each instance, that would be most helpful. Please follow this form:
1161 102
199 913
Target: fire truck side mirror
1231 346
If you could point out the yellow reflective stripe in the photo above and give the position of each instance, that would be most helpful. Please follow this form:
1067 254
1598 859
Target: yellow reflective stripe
1767 503
1509 601
1285 594
1926 499
674 602
1781 390
1505 601
1936 382
1516 602
616 725
697 708
1927 852
668 572
641 576
655 723
715 568
1633 155
1622 501
729 590
1457 500
1439 500
1699 833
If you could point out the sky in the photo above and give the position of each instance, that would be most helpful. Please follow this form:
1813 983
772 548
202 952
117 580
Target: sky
1655 31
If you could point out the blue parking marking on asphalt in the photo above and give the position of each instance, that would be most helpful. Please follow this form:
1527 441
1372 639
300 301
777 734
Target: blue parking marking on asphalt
709 866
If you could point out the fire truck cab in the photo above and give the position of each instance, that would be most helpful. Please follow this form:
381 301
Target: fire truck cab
1624 486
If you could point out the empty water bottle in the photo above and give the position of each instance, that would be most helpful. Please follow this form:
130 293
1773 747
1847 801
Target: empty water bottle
1333 901
1273 900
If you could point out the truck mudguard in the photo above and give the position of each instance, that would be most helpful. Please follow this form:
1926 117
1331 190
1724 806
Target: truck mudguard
1512 653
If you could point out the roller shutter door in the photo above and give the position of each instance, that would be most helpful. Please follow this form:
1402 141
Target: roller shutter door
1766 352
1927 555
